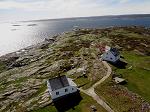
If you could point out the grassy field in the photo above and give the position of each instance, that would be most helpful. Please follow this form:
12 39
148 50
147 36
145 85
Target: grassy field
137 74
83 106
118 98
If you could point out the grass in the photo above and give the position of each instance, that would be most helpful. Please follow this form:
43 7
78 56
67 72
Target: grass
4 84
81 81
49 108
40 90
138 76
116 98
84 82
84 106
126 33
2 66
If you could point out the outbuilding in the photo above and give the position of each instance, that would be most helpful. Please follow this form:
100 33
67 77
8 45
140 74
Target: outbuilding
119 80
61 86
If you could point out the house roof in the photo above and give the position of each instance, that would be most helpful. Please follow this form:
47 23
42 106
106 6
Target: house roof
114 51
58 82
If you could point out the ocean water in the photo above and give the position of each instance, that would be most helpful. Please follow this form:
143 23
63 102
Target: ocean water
18 35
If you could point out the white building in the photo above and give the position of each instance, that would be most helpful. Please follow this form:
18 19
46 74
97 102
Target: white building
61 86
110 54
119 80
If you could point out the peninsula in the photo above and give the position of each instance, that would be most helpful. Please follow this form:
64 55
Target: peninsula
24 73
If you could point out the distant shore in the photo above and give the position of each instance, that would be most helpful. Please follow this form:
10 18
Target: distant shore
53 38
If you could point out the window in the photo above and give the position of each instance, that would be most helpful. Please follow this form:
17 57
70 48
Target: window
66 90
72 89
111 58
57 93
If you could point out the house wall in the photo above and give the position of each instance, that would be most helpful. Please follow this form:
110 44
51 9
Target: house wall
71 89
108 56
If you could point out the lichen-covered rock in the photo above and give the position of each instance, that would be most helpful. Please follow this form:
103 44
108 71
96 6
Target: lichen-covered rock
23 74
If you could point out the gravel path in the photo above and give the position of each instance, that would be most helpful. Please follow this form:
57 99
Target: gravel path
92 93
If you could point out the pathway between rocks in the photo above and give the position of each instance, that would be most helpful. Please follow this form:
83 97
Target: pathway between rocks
92 93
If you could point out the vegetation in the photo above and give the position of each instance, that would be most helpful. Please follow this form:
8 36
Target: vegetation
137 73
76 56
134 43
2 66
118 97
23 75
83 106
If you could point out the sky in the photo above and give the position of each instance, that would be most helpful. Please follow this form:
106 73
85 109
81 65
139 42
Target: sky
16 10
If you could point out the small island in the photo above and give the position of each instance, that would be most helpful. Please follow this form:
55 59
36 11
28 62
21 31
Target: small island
76 54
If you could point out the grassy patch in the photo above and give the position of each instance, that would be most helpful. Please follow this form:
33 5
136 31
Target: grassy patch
84 106
40 90
126 33
138 76
117 98
82 81
49 108
2 66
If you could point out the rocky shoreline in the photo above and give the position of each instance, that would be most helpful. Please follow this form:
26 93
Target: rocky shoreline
23 73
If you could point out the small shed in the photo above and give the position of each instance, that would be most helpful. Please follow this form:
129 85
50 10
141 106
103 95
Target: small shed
61 86
93 108
119 80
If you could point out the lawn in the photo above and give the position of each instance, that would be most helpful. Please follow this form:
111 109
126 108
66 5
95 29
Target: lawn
137 74
83 106
118 98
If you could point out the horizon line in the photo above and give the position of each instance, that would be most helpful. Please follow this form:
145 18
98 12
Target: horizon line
77 17
112 15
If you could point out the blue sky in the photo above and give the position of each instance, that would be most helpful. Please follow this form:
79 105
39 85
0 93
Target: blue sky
11 10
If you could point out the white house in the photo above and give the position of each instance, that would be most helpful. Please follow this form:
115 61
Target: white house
61 86
110 54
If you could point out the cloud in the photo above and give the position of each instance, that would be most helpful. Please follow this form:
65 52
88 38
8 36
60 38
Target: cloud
37 9
29 6
34 5
123 1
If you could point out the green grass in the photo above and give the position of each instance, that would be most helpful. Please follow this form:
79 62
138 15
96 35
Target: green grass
81 81
139 76
84 106
84 82
17 83
49 108
2 66
126 33
117 98
40 90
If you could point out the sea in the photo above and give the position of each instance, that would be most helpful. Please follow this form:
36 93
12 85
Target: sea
18 35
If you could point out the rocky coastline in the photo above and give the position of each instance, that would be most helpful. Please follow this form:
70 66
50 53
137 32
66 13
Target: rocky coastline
23 73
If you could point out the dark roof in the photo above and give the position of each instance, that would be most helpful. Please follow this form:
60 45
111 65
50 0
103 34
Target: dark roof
58 82
114 51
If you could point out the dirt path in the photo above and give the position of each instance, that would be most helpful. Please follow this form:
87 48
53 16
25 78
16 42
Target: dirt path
92 93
